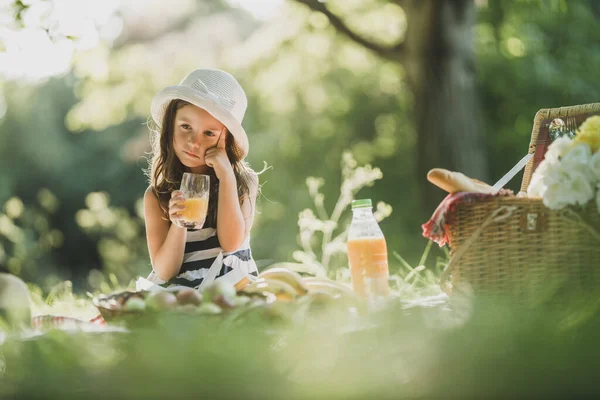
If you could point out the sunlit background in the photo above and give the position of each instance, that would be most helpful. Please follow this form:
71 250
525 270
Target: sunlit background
324 79
347 99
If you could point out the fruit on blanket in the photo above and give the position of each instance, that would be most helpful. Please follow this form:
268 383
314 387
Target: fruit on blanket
225 302
189 296
288 276
320 301
135 304
239 301
209 309
217 289
221 294
161 301
337 290
280 289
329 286
278 296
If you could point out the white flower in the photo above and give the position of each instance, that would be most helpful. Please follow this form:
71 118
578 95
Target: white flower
554 197
595 165
558 149
314 184
569 175
562 185
545 175
578 160
582 189
579 154
556 184
555 174
536 186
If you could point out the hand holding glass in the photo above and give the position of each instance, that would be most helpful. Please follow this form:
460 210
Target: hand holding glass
195 189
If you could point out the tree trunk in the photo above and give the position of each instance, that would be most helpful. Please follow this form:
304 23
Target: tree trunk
440 68
438 56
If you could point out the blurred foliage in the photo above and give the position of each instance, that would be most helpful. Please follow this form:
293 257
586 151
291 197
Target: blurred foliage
60 299
532 55
120 235
72 151
323 235
488 348
312 96
27 239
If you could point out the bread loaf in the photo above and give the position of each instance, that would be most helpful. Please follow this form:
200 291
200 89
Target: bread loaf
453 182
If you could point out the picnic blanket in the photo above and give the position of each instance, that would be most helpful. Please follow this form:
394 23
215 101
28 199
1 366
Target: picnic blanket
61 322
436 228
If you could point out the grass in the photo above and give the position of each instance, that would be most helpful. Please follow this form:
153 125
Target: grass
470 348
465 347
461 347
484 347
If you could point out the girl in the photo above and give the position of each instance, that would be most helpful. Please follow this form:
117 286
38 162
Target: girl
200 131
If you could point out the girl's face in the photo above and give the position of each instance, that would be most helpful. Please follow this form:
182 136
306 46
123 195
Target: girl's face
194 132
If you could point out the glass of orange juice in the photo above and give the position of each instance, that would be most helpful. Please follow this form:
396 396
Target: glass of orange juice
195 189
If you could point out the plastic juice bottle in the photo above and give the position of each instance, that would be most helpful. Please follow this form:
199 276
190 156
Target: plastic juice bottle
367 252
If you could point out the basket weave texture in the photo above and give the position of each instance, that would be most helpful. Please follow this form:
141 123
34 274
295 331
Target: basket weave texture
516 245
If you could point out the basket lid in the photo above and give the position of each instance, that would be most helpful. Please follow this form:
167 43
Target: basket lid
540 134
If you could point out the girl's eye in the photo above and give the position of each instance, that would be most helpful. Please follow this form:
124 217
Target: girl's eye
186 127
209 133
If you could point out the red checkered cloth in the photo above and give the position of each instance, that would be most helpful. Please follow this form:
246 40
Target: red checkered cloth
436 228
98 320
58 322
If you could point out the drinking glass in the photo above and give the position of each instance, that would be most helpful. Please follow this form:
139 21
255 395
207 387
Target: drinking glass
195 189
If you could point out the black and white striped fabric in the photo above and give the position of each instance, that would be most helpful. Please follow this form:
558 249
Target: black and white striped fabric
202 248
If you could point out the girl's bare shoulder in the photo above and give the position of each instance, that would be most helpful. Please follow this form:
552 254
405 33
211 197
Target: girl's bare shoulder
149 193
150 198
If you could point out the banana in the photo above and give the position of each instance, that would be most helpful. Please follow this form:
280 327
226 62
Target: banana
288 276
280 289
319 297
328 285
332 287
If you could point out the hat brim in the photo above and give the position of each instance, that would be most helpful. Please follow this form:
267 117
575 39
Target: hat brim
165 96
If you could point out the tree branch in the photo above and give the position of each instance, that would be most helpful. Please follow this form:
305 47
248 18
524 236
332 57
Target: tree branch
394 53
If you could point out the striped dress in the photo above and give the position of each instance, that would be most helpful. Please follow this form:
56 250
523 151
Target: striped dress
202 248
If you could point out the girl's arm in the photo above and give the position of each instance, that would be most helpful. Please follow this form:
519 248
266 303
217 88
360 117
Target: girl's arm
166 241
234 221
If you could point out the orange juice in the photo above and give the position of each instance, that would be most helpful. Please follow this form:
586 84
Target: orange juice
195 210
369 265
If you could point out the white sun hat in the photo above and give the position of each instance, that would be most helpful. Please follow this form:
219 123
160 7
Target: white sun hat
215 91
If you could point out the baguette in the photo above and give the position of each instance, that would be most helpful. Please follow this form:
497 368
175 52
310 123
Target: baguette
453 182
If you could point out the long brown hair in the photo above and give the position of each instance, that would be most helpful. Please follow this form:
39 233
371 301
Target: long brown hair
165 170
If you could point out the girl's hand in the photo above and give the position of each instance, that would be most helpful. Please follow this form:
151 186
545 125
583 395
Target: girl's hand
176 206
216 157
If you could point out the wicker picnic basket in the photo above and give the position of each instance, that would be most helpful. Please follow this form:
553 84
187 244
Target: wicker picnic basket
516 246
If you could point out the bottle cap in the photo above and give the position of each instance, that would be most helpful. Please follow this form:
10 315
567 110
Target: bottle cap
362 203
